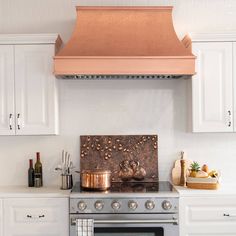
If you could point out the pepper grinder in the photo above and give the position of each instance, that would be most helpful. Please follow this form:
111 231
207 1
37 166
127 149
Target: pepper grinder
183 171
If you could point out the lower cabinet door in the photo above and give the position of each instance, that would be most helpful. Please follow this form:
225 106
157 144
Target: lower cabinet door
209 216
36 217
209 234
1 218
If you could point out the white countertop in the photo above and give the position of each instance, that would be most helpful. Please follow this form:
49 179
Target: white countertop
55 191
223 190
23 191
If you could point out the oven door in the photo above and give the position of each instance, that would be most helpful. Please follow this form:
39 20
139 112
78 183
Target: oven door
124 225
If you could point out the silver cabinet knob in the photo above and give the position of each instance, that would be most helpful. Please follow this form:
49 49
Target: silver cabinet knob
115 205
99 205
132 205
166 205
149 205
82 205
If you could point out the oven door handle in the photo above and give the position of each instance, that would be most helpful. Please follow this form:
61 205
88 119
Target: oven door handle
160 221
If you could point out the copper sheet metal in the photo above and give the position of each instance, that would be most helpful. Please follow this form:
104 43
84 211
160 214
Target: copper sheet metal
95 179
124 40
109 151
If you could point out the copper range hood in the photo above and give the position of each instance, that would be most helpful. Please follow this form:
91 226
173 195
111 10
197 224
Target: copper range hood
130 42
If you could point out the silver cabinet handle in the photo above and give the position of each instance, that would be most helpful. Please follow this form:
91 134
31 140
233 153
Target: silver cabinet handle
10 121
18 121
35 216
229 215
230 118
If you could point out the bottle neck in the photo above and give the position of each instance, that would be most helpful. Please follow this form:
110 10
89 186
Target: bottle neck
30 163
38 156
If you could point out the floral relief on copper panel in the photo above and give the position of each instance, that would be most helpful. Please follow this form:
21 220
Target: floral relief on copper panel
132 158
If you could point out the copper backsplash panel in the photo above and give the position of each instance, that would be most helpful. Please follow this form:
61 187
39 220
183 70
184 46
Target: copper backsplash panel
108 151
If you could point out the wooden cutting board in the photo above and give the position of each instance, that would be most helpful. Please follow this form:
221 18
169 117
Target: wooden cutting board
203 183
210 186
176 171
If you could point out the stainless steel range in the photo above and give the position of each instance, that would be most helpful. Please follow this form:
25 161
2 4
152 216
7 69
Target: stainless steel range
127 209
136 204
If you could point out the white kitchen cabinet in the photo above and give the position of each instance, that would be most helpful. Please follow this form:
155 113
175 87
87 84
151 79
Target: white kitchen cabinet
1 218
35 90
7 124
28 98
234 83
207 216
36 217
212 87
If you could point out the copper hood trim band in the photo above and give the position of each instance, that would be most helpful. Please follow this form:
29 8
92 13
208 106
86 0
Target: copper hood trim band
90 66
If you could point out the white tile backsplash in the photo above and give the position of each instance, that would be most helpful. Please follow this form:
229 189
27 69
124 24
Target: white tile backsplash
119 107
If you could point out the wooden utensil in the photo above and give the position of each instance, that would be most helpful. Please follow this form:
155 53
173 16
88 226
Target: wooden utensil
176 171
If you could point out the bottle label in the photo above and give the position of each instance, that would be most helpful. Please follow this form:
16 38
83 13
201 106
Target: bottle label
38 180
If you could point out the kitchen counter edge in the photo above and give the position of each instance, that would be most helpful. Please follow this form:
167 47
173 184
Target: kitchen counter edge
223 190
56 192
23 191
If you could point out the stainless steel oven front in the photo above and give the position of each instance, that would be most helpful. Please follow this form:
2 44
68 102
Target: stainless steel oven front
124 225
124 214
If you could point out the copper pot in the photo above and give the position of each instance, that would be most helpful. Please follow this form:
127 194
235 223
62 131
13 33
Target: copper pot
95 179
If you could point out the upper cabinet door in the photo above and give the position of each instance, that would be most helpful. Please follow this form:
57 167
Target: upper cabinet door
212 90
35 90
7 121
234 83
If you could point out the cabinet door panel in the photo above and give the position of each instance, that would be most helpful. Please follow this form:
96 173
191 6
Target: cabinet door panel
1 218
209 234
7 122
234 83
36 217
212 87
35 90
208 216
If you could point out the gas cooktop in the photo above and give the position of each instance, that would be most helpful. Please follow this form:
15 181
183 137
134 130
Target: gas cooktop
126 197
160 187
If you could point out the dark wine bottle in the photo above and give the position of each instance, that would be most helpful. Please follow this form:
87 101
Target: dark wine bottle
38 172
31 174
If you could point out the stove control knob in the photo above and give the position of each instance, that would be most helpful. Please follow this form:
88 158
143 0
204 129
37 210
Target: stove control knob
82 205
132 205
99 205
166 205
149 205
116 205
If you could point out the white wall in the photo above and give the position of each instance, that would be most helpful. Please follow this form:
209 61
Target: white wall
117 107
42 16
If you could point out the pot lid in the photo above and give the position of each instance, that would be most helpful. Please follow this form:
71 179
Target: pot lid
96 171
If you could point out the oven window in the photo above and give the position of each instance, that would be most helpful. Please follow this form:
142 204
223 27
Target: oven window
129 231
